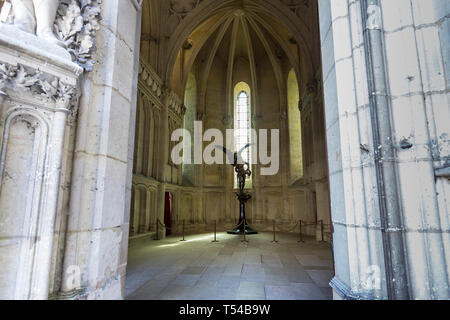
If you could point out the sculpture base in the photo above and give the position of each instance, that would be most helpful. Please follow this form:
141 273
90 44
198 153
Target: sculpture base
243 198
30 45
240 231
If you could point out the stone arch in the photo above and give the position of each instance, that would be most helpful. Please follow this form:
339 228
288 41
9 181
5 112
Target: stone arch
24 150
291 23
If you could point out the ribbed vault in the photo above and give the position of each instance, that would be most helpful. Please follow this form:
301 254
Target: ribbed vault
240 32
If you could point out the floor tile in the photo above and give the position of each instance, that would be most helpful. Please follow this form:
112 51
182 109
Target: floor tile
194 270
307 291
229 270
321 278
251 288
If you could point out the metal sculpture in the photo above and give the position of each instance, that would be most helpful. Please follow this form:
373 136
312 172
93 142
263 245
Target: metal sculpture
243 172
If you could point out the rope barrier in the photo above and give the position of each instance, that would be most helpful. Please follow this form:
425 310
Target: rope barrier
288 231
301 224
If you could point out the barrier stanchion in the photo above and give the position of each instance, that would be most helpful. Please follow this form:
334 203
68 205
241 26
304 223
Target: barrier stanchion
322 230
157 230
245 232
301 235
183 232
215 231
274 233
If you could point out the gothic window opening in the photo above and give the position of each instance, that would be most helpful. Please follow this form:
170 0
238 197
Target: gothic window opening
242 123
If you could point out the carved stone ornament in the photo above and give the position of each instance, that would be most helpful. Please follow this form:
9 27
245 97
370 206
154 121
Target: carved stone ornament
227 120
296 5
29 81
178 10
74 27
76 24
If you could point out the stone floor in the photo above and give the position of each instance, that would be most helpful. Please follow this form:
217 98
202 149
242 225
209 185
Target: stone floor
229 270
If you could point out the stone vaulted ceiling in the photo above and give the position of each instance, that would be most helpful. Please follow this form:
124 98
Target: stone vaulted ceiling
231 30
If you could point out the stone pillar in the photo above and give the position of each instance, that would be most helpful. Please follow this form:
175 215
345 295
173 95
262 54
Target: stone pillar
163 158
357 238
257 178
416 46
148 210
388 146
38 87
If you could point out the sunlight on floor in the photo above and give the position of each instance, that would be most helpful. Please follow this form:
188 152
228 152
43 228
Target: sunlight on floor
199 269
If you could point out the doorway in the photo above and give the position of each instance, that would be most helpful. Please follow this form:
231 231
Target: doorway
168 213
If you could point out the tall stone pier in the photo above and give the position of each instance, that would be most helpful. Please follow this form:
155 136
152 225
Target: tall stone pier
38 87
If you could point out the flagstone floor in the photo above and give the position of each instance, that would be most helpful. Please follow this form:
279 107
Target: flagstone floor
229 269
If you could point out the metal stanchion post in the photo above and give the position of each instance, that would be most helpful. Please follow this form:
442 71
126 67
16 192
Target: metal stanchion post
274 233
245 232
183 232
215 231
301 235
157 229
322 230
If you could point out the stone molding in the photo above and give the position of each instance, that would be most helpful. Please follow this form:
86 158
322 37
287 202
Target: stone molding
176 106
76 25
151 85
28 82
39 98
311 93
346 292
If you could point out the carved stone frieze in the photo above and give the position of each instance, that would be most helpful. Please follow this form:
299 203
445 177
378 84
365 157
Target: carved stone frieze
152 86
175 105
28 81
150 83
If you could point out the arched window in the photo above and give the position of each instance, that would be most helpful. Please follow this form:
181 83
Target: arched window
242 122
295 128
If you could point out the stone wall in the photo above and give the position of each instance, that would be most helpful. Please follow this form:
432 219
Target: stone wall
387 146
187 51
212 199
96 245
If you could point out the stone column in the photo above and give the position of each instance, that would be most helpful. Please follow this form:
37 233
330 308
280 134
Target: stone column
163 158
38 89
386 95
416 48
149 209
98 225
357 238
257 178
